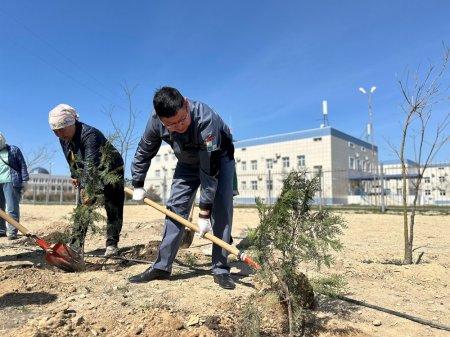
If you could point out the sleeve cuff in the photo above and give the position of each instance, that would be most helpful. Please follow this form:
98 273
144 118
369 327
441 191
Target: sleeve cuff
137 184
205 206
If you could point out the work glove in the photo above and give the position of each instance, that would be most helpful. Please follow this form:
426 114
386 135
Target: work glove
204 226
139 194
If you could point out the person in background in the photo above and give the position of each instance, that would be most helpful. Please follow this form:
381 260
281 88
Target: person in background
13 177
203 145
82 146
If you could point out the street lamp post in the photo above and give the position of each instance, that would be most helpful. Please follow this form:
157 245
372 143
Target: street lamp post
369 136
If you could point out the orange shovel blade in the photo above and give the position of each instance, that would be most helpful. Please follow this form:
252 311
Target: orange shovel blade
65 258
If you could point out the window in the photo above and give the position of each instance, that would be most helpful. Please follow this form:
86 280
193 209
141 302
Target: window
441 179
254 185
351 163
363 149
269 163
442 192
350 144
426 180
244 185
166 157
301 161
157 173
427 192
285 161
269 184
157 158
318 170
358 164
317 139
244 165
254 164
399 191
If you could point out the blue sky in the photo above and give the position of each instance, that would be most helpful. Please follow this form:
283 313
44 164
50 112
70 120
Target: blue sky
265 66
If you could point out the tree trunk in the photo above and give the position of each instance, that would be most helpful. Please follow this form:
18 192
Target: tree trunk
408 254
407 259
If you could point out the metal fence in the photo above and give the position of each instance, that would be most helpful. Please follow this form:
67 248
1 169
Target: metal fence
337 187
340 187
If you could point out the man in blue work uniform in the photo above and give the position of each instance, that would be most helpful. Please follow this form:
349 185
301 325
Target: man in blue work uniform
203 145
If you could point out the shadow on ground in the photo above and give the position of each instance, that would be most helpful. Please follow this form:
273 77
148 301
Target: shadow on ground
34 256
329 310
22 299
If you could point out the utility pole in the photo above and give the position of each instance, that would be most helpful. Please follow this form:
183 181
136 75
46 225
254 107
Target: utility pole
369 138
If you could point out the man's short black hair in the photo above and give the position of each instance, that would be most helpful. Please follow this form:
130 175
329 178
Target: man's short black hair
167 101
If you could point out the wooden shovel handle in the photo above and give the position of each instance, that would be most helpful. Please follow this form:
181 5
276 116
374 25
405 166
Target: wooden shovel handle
229 248
13 222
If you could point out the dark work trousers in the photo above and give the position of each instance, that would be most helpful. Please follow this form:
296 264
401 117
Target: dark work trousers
114 197
186 181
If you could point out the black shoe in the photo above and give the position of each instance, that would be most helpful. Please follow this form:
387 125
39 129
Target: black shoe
225 281
149 275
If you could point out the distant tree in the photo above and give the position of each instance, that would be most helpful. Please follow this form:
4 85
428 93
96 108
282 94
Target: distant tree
421 92
124 136
40 156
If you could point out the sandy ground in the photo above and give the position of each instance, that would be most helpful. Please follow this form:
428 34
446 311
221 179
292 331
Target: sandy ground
38 300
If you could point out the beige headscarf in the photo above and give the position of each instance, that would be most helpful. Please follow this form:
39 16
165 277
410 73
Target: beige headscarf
2 141
61 116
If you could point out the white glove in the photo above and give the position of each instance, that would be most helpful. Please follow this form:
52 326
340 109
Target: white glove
204 226
138 194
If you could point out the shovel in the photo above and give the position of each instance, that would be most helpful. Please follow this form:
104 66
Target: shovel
59 255
241 255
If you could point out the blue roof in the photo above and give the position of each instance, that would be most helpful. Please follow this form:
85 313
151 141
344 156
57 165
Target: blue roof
397 162
311 133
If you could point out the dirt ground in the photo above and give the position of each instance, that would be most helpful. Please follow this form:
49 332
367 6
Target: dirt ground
38 300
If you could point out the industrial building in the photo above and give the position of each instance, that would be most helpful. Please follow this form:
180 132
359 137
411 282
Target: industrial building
262 164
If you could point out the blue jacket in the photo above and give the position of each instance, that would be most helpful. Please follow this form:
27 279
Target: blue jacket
17 166
203 144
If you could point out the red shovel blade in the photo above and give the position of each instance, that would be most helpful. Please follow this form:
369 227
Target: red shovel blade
62 256
65 258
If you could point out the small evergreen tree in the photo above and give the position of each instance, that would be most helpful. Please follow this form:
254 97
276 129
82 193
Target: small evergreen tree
86 215
292 237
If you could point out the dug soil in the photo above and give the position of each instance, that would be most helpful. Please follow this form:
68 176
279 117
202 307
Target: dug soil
39 300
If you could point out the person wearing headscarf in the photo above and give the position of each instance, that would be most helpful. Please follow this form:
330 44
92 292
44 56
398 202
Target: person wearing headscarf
83 147
13 176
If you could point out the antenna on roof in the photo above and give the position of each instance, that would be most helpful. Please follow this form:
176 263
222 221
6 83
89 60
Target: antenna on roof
325 114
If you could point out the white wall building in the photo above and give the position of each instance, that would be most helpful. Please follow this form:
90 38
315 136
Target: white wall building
347 166
46 187
435 185
262 163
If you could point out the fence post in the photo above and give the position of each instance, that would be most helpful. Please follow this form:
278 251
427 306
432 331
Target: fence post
270 186
383 206
47 192
61 193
